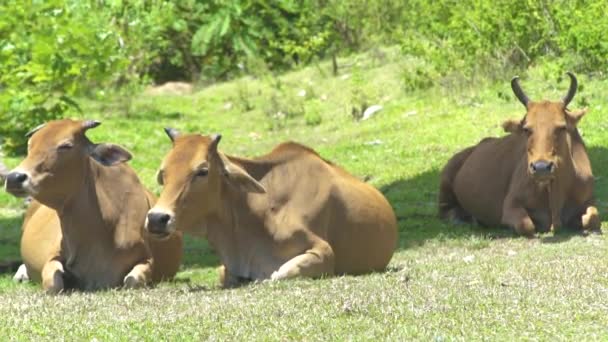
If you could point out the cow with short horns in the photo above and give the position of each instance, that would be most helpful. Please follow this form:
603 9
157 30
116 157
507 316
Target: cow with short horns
85 228
289 213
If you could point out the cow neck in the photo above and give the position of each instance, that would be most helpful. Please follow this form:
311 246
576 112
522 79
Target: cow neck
566 169
82 213
226 229
255 167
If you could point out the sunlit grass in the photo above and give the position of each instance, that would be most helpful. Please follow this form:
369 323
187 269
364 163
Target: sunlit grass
445 282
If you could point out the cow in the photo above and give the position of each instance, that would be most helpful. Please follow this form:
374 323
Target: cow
85 227
535 179
288 213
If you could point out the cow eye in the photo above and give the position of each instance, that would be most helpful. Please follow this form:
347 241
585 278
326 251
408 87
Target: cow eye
527 130
65 146
561 128
201 172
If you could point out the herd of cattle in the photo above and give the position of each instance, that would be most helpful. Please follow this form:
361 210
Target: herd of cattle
91 224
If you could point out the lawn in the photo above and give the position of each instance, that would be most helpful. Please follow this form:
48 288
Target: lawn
444 282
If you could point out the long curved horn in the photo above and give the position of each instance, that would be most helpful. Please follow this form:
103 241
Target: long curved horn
572 91
518 91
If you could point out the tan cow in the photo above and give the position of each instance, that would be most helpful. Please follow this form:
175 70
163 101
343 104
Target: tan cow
534 179
286 214
84 230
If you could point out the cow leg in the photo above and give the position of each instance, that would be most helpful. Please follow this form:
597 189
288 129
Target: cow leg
591 219
518 219
315 262
21 275
556 203
139 276
52 277
227 279
449 208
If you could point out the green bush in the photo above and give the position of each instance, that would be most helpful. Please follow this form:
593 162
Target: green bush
489 37
54 51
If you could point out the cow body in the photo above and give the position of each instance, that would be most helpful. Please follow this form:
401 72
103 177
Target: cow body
86 233
497 182
289 213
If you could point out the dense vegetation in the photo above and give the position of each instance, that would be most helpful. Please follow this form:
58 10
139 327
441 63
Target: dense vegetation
53 52
445 282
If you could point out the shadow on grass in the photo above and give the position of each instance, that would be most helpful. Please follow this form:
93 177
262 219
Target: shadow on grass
10 237
197 252
415 204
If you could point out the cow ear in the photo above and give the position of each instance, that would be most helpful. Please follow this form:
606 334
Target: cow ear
240 179
512 126
574 117
109 154
232 173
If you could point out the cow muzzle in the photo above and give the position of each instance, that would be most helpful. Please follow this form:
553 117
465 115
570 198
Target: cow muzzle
17 183
542 169
159 223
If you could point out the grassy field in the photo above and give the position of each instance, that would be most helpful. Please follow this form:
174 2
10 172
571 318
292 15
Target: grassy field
444 283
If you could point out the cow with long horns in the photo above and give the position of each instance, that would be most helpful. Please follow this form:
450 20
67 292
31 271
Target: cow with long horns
535 179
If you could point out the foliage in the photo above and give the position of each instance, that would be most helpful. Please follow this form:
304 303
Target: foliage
487 38
444 282
52 51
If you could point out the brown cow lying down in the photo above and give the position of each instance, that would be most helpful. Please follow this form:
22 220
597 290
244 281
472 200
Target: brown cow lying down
84 230
534 179
286 214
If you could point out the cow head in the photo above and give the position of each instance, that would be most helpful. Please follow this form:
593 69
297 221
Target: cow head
193 175
546 127
56 161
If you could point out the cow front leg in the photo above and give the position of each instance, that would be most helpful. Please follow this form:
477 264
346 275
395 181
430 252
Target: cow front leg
227 279
139 276
313 263
591 219
518 219
556 203
52 277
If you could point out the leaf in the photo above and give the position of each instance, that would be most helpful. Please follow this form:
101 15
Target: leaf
225 26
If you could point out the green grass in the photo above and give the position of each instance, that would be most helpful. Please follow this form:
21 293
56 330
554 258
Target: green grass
444 283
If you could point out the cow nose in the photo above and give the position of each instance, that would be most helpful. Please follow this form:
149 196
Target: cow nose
541 167
15 180
157 222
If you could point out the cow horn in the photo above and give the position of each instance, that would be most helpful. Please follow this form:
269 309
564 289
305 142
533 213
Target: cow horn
88 124
34 130
215 140
572 90
172 133
518 91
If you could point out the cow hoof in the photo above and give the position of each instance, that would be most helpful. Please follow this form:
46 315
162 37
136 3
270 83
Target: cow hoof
132 281
276 275
54 289
526 228
21 275
591 220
